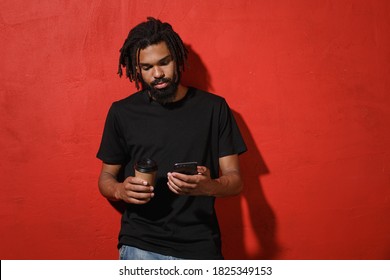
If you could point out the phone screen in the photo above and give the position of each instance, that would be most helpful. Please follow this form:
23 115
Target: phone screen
188 168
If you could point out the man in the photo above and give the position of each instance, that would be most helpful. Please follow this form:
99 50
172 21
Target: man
170 123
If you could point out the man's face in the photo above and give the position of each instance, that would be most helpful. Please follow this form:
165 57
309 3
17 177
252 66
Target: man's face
157 70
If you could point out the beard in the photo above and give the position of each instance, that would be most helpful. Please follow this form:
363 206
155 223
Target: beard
164 95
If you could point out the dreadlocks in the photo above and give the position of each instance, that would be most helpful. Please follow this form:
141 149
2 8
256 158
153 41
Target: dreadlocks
147 33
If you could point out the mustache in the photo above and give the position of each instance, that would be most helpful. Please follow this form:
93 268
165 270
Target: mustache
159 81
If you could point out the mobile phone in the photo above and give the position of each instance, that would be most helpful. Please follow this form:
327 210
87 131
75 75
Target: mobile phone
188 168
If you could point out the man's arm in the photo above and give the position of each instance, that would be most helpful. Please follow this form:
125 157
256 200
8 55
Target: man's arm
228 184
132 190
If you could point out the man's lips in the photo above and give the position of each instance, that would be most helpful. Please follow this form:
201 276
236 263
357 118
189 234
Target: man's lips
161 85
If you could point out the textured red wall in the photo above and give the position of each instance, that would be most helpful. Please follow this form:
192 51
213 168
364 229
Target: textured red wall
309 84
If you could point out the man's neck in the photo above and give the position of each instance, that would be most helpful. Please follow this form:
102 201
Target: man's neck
180 93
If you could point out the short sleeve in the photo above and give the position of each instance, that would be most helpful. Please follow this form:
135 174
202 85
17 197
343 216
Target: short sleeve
230 138
112 148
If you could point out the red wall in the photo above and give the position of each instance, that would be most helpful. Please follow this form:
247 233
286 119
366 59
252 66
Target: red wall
309 84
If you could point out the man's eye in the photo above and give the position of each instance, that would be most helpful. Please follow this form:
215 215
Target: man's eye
165 62
146 68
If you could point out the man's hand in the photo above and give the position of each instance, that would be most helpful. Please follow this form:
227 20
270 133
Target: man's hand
198 184
228 184
134 190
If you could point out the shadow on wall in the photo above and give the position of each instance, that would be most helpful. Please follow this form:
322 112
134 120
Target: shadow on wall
247 222
195 73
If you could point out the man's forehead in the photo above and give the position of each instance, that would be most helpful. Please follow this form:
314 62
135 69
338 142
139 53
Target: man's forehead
154 53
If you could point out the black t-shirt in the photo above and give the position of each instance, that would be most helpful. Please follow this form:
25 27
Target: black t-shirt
200 127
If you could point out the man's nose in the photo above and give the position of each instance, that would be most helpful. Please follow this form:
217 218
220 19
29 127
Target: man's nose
158 73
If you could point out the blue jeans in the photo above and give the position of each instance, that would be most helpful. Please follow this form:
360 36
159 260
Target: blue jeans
132 253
